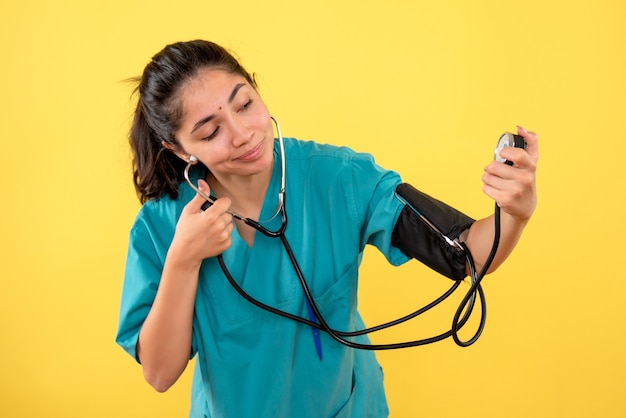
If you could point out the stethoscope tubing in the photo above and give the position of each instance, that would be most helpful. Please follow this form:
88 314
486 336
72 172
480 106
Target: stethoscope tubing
461 316
476 287
339 335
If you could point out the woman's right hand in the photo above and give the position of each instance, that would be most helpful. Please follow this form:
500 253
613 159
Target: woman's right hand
203 234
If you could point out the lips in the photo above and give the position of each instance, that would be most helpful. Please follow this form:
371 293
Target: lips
253 154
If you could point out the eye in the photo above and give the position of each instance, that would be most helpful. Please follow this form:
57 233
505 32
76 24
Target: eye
247 104
212 134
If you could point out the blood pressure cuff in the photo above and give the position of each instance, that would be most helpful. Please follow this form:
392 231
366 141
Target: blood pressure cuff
426 230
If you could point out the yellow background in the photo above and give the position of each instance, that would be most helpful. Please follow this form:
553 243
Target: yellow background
425 86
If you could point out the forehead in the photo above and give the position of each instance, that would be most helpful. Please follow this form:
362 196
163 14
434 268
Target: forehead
204 96
210 85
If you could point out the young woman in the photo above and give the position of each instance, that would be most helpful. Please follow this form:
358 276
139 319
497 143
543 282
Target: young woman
198 106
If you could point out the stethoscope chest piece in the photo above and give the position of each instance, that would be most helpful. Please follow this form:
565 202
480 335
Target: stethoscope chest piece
508 140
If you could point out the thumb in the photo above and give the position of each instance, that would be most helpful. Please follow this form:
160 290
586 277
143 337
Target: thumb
204 187
200 199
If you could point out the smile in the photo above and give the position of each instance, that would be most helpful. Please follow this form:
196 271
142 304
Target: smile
253 154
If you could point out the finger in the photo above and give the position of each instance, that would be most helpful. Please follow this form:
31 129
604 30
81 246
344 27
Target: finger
515 157
205 190
219 207
494 180
503 198
532 141
223 237
223 245
499 170
229 227
195 204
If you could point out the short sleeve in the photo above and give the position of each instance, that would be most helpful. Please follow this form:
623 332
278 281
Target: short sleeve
374 191
150 238
141 281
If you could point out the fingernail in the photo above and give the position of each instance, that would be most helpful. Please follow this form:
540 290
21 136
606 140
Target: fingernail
522 128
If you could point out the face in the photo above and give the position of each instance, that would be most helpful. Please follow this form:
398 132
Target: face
225 125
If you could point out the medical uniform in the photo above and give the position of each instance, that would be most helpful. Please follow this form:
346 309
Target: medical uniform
251 363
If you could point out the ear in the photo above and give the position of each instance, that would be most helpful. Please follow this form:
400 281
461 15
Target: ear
177 150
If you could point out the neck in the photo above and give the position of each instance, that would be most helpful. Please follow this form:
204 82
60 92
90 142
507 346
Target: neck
247 193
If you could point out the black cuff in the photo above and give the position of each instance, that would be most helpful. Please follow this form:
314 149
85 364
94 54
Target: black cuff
430 240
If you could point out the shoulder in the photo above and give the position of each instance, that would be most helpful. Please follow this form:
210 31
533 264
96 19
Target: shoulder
311 157
308 149
165 206
338 172
163 212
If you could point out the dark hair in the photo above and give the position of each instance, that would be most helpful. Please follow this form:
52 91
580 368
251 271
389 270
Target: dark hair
156 170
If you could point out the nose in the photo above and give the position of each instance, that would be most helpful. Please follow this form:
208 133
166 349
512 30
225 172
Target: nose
241 133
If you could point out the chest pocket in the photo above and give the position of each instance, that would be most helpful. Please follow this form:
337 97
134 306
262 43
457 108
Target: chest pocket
264 272
271 279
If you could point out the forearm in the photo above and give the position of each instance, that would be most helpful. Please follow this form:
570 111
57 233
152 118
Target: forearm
481 235
164 344
513 187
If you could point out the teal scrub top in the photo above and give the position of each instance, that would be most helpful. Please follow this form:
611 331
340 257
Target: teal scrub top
252 363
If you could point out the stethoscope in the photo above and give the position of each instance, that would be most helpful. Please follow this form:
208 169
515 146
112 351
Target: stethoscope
316 319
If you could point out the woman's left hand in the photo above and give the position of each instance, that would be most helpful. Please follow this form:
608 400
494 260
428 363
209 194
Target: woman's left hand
513 187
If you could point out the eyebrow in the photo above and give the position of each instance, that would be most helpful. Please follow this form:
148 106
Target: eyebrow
210 117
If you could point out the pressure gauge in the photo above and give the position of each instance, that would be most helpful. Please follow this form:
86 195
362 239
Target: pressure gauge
508 140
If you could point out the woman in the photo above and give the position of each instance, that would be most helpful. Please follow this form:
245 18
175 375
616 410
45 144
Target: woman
196 103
